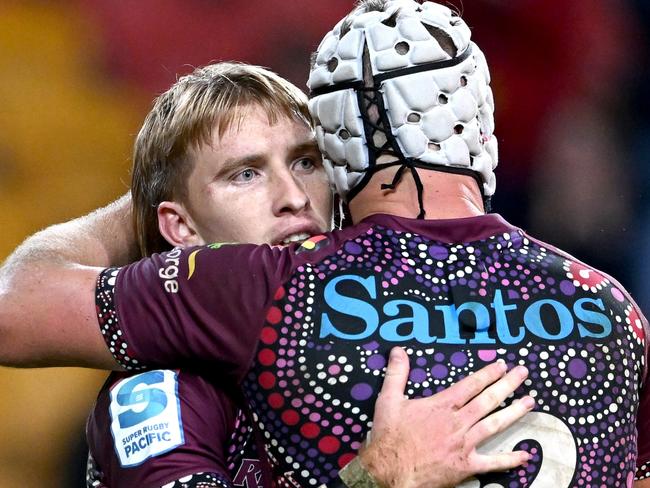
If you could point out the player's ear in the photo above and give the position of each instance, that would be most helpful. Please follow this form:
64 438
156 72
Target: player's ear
176 225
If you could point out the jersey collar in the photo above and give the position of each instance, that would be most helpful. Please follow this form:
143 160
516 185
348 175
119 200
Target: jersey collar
467 229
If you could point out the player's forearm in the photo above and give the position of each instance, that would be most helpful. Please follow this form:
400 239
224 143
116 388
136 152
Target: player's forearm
48 318
103 238
47 311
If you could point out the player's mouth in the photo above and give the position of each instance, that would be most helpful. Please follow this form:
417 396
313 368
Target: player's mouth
294 238
296 232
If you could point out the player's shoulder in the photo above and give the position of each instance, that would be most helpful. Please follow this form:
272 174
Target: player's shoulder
581 275
182 265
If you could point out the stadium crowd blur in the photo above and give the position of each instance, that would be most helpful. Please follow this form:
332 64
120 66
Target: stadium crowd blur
570 81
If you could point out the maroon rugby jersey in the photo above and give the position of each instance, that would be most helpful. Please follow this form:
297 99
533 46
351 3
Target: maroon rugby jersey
156 427
306 331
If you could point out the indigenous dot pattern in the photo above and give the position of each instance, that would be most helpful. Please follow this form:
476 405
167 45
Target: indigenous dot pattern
108 320
242 443
314 397
643 471
200 480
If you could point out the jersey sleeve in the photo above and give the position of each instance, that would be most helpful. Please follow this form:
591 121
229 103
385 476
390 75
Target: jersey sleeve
160 426
190 306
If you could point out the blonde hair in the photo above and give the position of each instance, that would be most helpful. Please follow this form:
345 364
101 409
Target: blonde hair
183 118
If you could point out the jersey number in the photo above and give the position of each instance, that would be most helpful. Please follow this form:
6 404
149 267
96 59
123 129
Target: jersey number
559 453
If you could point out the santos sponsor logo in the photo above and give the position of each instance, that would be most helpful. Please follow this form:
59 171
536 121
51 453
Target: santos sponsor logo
352 311
145 416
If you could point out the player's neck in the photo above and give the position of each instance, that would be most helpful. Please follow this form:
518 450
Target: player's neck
445 196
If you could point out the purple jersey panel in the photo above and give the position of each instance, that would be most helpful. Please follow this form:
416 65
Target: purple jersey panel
307 330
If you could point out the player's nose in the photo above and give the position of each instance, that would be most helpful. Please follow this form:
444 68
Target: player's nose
291 195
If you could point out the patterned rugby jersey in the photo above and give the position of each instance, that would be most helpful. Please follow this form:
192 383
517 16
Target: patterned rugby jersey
156 427
306 331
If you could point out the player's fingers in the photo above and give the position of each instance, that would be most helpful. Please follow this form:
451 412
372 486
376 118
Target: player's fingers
397 374
499 421
493 395
462 392
484 463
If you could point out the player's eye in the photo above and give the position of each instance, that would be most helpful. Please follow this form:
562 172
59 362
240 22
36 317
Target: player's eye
305 164
245 176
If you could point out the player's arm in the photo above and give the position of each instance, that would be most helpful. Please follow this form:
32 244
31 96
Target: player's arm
47 290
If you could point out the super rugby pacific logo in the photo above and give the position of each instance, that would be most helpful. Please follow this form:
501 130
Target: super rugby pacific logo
353 310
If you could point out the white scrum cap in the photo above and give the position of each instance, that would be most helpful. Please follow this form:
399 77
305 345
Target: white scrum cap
435 106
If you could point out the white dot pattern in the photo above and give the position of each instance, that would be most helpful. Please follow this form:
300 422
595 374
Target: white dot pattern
108 320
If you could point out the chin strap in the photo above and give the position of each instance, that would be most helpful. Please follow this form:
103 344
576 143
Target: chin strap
404 165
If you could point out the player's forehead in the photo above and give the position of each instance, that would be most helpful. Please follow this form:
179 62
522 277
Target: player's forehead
253 128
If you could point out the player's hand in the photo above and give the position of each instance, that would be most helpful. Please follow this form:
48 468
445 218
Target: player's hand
431 442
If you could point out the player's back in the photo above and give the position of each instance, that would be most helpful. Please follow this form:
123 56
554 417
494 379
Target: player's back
457 295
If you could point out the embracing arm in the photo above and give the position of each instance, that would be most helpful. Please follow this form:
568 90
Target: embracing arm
47 289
